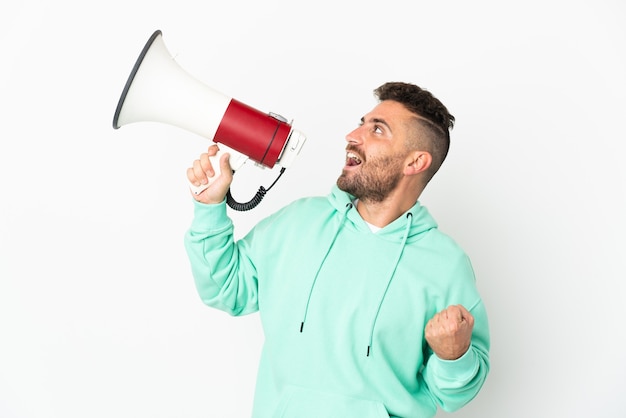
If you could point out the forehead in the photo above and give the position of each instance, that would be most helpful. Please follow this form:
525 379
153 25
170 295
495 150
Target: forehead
391 112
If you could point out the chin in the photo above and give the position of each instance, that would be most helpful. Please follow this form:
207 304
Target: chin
344 184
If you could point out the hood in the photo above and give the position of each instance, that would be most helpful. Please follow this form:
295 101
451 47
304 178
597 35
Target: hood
420 219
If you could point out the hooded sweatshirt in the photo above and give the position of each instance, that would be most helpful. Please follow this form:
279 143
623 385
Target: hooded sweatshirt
343 309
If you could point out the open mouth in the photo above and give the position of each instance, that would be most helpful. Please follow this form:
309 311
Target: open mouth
352 159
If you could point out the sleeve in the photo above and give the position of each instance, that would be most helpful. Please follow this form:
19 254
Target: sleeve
453 383
224 274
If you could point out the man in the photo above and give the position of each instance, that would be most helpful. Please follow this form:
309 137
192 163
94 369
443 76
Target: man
368 310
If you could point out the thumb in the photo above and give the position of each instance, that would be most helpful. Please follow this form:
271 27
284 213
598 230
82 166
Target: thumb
225 167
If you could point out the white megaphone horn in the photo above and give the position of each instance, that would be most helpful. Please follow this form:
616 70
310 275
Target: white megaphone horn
159 90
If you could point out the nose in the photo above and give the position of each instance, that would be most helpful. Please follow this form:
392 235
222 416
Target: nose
354 137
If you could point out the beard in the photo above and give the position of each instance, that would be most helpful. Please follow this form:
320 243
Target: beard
375 180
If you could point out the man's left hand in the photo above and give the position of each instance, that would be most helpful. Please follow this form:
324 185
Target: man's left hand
449 332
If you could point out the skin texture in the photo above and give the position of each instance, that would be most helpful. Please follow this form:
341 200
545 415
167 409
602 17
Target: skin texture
387 182
382 134
200 172
449 332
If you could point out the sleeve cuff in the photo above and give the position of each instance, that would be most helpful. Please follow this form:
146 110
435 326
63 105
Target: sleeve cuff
463 368
209 217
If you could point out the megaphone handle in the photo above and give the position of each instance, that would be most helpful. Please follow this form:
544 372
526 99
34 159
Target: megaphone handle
236 160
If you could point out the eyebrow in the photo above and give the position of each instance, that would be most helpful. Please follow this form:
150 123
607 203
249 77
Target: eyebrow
377 120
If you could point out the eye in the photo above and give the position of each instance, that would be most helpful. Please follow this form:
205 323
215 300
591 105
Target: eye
377 129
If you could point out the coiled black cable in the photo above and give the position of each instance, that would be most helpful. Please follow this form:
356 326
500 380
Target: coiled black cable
252 203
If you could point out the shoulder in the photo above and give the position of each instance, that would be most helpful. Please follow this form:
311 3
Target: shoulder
305 206
299 212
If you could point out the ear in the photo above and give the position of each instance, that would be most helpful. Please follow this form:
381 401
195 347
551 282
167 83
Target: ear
418 162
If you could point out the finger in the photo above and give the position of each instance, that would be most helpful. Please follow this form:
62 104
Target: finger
459 316
191 176
225 167
464 314
467 316
206 165
435 319
199 172
464 311
213 149
454 313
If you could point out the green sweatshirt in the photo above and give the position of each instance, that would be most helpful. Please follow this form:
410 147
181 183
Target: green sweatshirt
343 309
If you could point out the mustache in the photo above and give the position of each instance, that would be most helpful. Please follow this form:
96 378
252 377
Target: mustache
355 149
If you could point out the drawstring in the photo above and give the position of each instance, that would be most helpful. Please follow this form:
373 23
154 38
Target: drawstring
391 274
349 206
306 308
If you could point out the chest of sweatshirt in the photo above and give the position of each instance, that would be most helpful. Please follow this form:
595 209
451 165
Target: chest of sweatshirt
319 271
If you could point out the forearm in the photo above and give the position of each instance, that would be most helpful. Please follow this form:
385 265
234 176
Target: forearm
221 275
453 383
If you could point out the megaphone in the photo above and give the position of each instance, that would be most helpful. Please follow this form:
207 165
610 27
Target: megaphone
159 90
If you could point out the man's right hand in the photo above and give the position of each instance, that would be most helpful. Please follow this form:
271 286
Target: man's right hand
202 170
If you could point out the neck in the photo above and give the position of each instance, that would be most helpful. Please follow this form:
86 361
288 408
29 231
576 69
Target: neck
388 210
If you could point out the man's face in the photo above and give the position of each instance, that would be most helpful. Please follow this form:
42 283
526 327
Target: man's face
376 152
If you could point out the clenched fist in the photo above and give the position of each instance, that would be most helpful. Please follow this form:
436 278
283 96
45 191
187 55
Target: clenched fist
449 332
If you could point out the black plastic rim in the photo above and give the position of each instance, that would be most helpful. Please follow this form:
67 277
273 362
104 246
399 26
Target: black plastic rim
120 103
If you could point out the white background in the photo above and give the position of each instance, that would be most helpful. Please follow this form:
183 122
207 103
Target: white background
98 313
